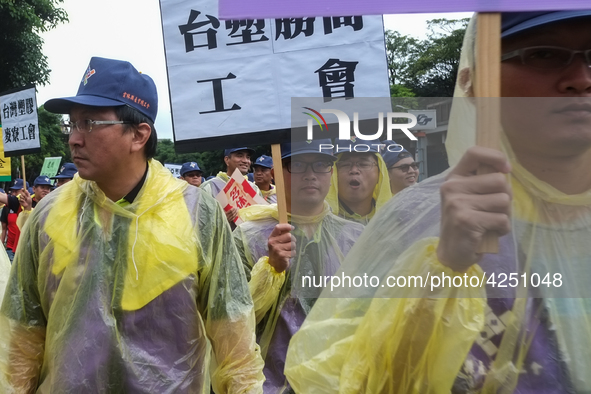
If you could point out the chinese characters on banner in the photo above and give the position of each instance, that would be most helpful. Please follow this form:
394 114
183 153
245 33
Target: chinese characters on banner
238 193
236 77
232 9
51 165
19 122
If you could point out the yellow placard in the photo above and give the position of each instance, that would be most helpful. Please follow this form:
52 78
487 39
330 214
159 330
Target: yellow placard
4 161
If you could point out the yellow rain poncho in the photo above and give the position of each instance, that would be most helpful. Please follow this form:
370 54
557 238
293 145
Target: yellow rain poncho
105 298
381 194
281 301
489 339
4 272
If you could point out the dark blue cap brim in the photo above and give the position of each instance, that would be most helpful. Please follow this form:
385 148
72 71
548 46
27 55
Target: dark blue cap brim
517 22
65 104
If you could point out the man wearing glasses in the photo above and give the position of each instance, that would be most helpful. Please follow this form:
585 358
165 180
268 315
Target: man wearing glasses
360 185
403 170
120 286
278 258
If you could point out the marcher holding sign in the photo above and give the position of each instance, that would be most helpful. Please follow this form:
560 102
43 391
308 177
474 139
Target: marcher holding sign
127 279
238 194
318 242
513 322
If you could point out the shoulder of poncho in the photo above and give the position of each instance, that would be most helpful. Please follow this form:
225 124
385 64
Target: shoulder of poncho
258 225
345 223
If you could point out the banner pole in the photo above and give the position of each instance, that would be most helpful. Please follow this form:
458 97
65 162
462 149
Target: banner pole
24 174
488 85
279 183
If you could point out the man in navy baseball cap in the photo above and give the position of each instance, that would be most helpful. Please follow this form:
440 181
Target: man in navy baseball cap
191 173
149 282
66 174
235 158
263 177
315 241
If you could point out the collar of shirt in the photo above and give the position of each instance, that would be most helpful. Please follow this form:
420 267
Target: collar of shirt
130 197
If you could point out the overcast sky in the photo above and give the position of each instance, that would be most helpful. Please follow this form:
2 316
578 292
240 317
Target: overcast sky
131 30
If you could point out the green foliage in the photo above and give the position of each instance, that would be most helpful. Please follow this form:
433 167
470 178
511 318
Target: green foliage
427 68
22 61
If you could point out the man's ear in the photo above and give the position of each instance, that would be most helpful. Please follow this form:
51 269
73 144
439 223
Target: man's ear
140 137
273 173
226 160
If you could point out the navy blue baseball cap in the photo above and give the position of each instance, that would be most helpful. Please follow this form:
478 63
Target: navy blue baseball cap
517 22
111 83
357 145
188 167
67 171
18 184
227 152
264 161
42 180
322 147
395 154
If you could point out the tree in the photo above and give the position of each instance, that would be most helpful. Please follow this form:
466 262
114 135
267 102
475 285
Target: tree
22 60
426 68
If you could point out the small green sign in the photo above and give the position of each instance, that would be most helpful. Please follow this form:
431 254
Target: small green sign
51 166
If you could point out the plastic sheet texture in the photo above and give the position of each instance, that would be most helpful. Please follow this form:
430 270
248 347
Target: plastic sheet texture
470 340
282 304
142 298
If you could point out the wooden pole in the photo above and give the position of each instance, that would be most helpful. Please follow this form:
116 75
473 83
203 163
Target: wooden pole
487 89
279 183
24 177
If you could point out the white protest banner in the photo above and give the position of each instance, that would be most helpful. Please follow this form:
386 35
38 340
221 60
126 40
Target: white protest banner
238 193
236 78
237 9
19 121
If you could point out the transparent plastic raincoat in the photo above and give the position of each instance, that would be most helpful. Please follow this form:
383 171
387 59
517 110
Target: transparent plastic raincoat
281 301
4 272
458 340
381 194
134 299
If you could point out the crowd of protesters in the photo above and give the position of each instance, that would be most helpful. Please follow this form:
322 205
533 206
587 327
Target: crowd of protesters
125 279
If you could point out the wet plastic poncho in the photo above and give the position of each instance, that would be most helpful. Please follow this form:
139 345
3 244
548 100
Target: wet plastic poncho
461 340
281 301
112 299
4 272
381 194
270 195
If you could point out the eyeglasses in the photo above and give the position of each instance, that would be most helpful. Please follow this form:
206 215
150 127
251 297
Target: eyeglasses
300 167
362 165
406 167
68 127
547 57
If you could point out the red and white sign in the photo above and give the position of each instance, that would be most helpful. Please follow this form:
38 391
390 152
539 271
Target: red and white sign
238 193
